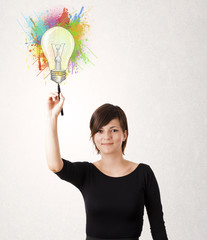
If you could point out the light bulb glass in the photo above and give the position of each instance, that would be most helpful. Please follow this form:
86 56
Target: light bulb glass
57 44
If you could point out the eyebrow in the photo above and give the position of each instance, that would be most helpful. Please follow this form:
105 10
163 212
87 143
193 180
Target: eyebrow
112 127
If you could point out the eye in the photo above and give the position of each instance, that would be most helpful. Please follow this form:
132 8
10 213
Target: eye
99 131
115 130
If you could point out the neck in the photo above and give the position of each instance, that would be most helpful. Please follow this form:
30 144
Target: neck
112 161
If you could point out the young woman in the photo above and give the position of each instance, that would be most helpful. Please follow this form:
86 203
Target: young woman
115 190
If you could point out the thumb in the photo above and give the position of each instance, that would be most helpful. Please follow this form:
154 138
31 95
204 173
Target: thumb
62 99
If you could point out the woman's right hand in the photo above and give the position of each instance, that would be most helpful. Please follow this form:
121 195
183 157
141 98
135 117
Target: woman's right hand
54 105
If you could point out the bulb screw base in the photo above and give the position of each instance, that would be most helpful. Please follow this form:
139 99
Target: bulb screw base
58 76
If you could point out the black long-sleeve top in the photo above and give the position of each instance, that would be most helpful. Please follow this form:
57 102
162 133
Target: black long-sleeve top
115 205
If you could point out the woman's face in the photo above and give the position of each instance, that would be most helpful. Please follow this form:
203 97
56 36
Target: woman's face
109 138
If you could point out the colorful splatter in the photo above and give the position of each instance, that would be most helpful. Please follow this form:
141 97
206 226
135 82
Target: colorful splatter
74 22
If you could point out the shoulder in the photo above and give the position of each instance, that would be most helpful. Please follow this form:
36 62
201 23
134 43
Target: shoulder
140 164
144 165
146 169
69 165
81 163
96 164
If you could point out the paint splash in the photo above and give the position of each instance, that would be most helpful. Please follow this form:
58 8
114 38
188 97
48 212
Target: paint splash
76 23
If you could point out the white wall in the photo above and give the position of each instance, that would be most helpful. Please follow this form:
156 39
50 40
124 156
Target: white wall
152 61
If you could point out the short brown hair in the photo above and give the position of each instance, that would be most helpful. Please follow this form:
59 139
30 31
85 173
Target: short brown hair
103 115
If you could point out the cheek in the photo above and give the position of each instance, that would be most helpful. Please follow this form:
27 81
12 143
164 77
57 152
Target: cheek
118 138
96 139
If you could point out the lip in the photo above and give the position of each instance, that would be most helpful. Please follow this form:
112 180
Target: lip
107 143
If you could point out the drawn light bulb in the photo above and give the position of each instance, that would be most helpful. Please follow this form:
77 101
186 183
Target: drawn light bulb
58 44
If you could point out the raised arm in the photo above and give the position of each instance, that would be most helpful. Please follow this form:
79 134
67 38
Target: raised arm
53 109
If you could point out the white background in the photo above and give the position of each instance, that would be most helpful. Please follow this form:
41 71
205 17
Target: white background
151 61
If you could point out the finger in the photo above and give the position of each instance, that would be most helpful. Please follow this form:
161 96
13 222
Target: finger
54 99
53 94
61 96
62 99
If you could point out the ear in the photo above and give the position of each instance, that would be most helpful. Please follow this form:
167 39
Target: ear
125 135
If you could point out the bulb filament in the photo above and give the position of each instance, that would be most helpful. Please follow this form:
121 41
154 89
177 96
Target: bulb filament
58 50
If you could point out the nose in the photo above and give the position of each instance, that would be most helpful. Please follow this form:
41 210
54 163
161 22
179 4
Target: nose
107 135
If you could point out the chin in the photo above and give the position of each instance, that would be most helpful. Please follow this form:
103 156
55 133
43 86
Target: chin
104 151
109 151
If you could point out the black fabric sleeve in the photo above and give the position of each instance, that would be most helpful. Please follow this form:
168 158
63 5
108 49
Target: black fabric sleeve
154 206
73 172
